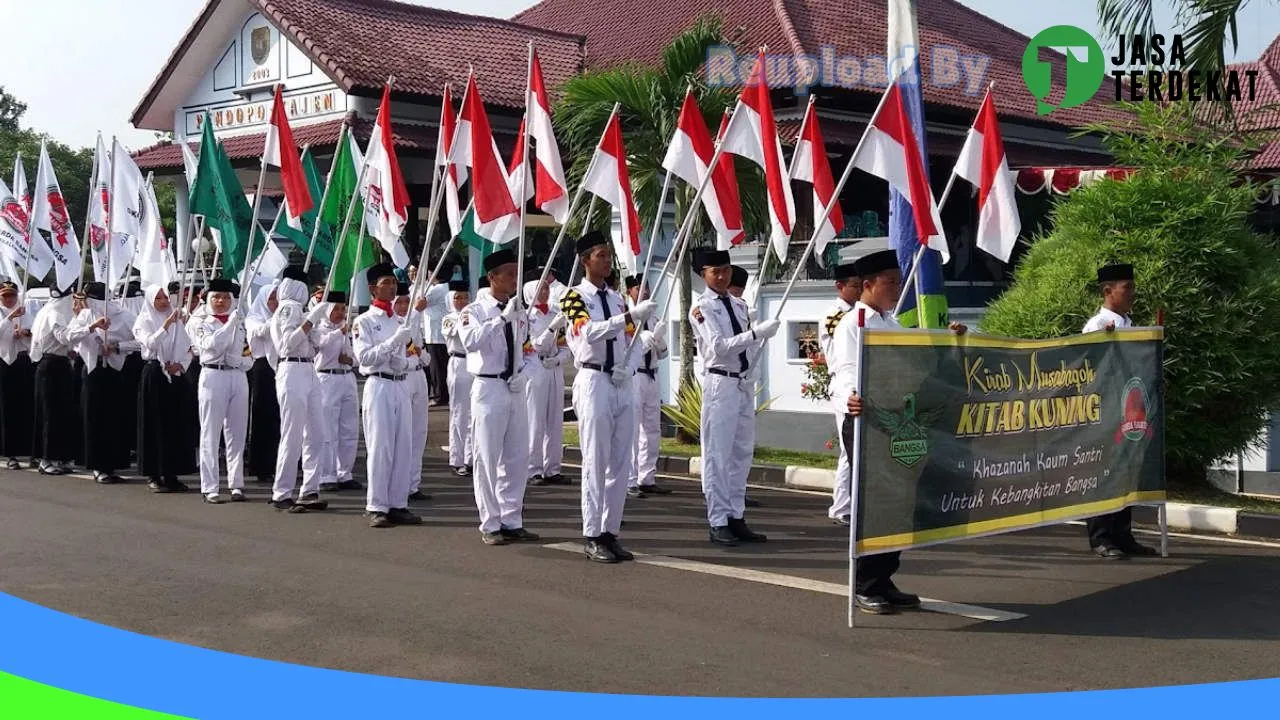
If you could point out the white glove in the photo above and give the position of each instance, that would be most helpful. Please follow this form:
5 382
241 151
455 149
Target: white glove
550 362
517 382
558 322
767 329
402 335
659 344
642 311
648 340
318 313
512 312
233 317
620 377
751 314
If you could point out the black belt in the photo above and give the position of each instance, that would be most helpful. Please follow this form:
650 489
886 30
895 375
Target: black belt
725 373
491 376
297 359
653 374
386 376
597 367
219 367
334 372
458 355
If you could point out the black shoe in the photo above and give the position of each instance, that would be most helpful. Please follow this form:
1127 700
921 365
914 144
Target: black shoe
329 487
419 496
750 503
1109 552
286 505
402 516
900 600
740 531
312 501
158 486
1137 549
556 479
655 489
176 485
537 481
635 492
380 520
722 536
51 469
14 464
350 485
519 535
620 552
238 496
462 471
494 538
874 604
597 550
842 520
106 478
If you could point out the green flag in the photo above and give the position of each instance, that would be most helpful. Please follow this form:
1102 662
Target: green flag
301 237
342 185
219 197
469 237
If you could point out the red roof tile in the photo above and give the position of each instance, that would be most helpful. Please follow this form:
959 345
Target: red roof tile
1262 113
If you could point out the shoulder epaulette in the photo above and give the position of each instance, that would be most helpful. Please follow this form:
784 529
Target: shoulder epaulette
833 320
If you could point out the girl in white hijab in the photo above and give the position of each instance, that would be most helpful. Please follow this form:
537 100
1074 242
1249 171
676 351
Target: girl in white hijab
264 410
102 334
16 376
168 426
57 421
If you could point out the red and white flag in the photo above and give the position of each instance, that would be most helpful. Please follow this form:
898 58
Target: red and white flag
984 164
279 151
456 175
688 157
49 212
552 196
384 189
496 217
890 151
20 249
99 209
608 179
20 183
514 169
753 134
155 261
126 211
810 164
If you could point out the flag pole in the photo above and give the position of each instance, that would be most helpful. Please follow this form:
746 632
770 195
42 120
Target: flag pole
324 195
826 210
359 252
648 260
439 182
854 476
522 205
253 216
88 213
586 225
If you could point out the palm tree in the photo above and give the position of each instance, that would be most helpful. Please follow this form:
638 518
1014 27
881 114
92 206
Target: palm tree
1210 24
650 99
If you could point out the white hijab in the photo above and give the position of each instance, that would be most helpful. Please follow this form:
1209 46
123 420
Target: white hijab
174 345
55 313
292 291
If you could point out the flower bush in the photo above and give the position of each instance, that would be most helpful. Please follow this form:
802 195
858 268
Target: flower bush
817 384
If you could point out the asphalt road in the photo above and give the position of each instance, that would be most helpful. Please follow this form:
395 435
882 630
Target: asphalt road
432 602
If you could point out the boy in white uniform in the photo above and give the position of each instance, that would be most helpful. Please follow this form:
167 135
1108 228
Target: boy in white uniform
460 436
223 389
336 382
652 349
545 393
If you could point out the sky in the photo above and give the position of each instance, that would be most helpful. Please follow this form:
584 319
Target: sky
82 65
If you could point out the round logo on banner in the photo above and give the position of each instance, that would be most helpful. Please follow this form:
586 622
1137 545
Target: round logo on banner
1133 423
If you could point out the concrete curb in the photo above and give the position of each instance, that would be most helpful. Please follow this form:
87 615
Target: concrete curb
1181 516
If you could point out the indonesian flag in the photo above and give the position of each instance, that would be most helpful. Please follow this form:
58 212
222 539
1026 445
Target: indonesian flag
809 164
154 262
49 212
891 152
280 151
19 248
552 196
99 210
514 170
385 192
984 164
495 211
688 157
126 211
608 180
753 134
20 183
456 175
190 163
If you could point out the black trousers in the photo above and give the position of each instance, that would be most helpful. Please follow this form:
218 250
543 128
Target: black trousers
437 372
130 377
168 424
17 405
1113 529
57 420
264 421
104 405
872 574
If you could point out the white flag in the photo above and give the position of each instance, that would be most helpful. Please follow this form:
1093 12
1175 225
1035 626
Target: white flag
126 211
100 210
20 183
23 251
49 212
154 262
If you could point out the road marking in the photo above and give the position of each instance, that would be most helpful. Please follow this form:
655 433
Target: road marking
798 583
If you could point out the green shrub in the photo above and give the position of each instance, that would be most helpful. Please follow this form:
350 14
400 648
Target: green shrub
686 413
1182 220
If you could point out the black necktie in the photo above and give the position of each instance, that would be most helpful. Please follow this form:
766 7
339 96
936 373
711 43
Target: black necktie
608 344
509 332
737 328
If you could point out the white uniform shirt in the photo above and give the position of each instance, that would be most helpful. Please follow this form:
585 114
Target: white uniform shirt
842 361
643 356
11 346
379 339
91 344
829 322
591 330
219 343
331 343
719 346
543 342
433 314
287 334
414 359
1104 316
483 336
449 326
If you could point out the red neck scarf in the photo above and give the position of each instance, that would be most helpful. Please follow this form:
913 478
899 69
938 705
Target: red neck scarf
384 306
222 318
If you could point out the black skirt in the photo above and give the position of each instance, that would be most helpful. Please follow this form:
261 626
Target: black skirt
130 377
104 407
264 421
17 405
57 421
168 428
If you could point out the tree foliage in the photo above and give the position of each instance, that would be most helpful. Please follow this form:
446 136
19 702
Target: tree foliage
1182 220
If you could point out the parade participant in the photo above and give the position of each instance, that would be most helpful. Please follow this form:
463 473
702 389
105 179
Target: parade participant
415 383
223 390
493 328
737 286
379 341
460 435
727 344
848 290
435 354
133 301
57 423
102 334
603 398
544 359
336 382
168 421
558 289
648 403
17 376
263 439
1111 535
302 427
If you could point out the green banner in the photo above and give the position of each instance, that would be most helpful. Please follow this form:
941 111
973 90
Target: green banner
964 436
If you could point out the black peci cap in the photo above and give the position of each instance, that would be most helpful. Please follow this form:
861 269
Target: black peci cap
498 259
378 271
336 296
739 278
704 258
1110 273
459 286
590 240
294 272
876 262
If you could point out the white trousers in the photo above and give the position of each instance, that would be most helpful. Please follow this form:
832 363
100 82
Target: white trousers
385 410
841 501
419 400
544 404
502 454
728 443
341 410
460 435
303 430
644 469
606 432
223 397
